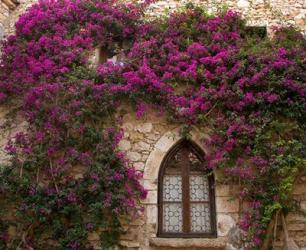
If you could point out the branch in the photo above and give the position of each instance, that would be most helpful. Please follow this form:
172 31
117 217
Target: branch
269 233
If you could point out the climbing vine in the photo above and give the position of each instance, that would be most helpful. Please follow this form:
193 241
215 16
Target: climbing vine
67 178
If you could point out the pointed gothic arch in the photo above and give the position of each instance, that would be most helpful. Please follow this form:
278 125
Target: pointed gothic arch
186 195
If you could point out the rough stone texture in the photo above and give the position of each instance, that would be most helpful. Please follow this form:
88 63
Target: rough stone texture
4 14
188 243
235 239
151 138
7 131
296 222
256 12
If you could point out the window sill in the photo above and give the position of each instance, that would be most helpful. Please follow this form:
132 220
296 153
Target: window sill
217 243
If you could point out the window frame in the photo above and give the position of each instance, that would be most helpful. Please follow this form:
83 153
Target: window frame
192 147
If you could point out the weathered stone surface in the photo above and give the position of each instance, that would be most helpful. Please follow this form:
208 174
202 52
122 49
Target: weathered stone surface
144 128
151 197
129 244
222 190
152 164
235 238
142 146
124 145
299 189
1 31
127 126
227 205
167 141
303 205
136 136
189 243
224 224
151 214
150 184
297 227
134 156
243 4
94 236
139 166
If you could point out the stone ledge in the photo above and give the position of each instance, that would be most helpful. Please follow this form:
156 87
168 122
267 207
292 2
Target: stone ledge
218 243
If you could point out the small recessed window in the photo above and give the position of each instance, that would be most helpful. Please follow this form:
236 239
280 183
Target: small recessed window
186 194
257 31
115 53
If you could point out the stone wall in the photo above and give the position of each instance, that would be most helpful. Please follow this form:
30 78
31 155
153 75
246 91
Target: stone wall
147 141
7 8
4 14
256 12
296 222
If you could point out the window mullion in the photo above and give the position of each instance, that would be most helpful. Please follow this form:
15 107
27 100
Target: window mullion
185 191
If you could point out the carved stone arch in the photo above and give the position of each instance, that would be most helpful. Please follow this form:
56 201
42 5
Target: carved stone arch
162 147
151 173
190 193
154 162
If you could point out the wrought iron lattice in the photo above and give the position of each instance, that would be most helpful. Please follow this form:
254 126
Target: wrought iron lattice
199 188
200 218
173 218
186 194
172 188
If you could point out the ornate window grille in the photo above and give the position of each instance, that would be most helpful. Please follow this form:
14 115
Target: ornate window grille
186 197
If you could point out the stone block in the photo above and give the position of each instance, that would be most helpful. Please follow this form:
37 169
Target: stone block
153 164
139 166
193 243
297 227
151 214
227 205
242 4
294 217
127 126
1 32
299 189
94 236
153 137
222 190
144 128
142 146
236 238
167 141
136 136
150 184
224 224
303 205
138 222
134 156
151 198
124 145
129 244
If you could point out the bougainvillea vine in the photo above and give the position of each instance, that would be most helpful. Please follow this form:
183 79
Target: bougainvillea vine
197 69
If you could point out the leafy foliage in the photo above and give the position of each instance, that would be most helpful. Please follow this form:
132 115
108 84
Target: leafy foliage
197 69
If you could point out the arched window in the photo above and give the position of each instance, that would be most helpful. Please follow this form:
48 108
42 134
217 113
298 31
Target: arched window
114 53
186 198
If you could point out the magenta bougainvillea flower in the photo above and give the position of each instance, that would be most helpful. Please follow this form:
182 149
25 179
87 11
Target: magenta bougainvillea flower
197 69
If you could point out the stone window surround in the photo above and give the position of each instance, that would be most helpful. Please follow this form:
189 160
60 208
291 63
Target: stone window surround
151 172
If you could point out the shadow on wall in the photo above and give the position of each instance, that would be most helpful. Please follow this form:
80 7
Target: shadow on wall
1 32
